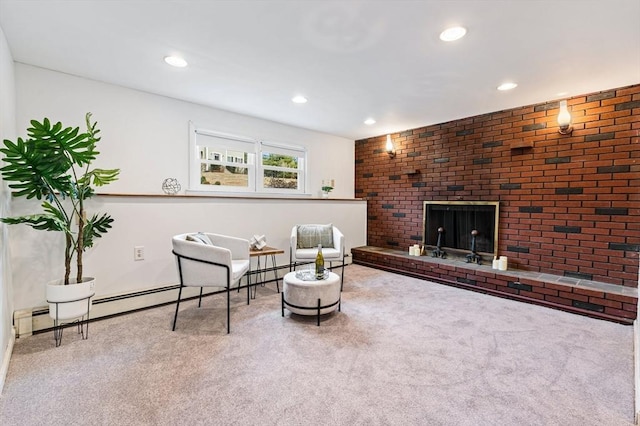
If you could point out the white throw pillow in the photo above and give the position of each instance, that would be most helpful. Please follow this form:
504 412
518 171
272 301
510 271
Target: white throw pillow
199 238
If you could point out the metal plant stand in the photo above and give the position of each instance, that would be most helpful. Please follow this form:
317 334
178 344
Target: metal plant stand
474 257
82 322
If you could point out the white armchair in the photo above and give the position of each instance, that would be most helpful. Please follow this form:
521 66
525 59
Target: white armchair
211 260
304 241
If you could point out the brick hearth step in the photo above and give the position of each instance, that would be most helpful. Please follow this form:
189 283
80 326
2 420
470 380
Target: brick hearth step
591 298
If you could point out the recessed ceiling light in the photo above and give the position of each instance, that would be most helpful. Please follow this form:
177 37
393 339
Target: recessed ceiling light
369 121
299 99
175 61
453 33
507 86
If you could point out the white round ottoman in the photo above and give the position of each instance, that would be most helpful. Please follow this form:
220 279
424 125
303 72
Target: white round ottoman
317 297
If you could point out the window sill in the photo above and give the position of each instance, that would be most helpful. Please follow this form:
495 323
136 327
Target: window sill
191 194
248 194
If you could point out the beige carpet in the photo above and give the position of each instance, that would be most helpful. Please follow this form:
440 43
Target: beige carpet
402 352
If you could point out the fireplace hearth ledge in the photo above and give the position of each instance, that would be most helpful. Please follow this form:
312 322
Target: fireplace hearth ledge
591 298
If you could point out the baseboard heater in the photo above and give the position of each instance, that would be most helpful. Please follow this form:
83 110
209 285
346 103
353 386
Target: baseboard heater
36 320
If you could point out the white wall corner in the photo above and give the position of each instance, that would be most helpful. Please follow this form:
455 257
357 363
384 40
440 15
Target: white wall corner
636 370
636 359
4 369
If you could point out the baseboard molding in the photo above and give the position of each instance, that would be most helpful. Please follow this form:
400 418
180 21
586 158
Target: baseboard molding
4 369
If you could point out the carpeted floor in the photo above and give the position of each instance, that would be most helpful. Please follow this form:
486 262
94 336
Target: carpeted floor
402 352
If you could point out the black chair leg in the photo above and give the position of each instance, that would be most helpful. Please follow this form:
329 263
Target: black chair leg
248 287
200 298
175 317
228 311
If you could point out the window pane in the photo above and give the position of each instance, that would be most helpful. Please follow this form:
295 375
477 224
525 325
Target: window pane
279 160
280 179
216 174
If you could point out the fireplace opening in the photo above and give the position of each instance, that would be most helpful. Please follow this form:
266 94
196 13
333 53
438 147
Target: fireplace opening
456 220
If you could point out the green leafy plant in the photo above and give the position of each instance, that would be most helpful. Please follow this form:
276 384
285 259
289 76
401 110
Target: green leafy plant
54 164
327 188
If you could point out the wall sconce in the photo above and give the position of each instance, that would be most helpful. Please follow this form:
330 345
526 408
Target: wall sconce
390 149
564 119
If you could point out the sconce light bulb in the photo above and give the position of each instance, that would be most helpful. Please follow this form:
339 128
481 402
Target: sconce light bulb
389 147
564 119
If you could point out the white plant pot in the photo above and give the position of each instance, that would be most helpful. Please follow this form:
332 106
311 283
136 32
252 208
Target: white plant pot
70 301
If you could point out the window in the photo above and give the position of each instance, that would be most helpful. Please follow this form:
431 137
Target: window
227 163
224 162
282 168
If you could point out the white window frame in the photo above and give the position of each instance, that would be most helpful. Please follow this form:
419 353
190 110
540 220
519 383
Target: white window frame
220 141
291 150
256 170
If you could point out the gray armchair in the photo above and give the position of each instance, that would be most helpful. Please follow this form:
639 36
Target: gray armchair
211 260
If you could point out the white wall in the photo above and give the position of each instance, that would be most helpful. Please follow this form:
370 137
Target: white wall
7 131
151 222
146 136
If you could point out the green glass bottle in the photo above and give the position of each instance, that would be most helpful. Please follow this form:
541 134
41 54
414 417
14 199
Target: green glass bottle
319 264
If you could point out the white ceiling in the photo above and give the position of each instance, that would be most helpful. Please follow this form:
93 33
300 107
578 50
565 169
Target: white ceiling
352 59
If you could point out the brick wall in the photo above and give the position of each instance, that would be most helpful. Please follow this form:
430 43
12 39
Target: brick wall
569 204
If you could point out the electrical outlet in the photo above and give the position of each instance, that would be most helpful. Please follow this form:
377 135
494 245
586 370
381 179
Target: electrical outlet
138 253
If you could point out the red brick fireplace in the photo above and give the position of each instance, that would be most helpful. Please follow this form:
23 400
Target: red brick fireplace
569 204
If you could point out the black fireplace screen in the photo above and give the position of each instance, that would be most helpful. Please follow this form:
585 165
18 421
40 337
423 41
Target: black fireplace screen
458 219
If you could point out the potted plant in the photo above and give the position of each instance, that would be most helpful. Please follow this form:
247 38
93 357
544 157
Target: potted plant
326 188
54 165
